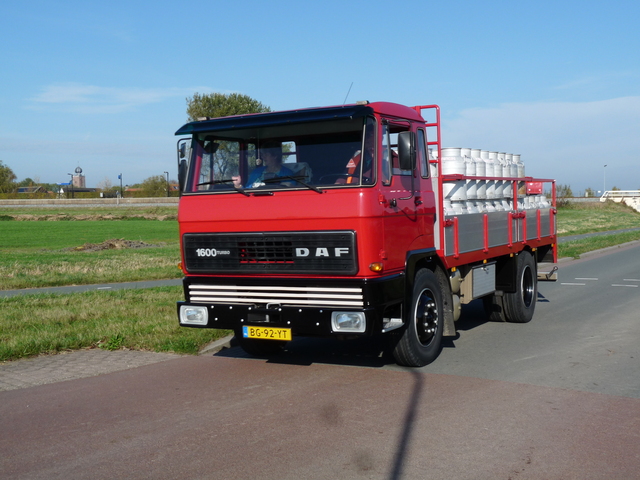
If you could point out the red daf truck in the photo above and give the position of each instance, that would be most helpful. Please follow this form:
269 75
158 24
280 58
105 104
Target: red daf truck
349 221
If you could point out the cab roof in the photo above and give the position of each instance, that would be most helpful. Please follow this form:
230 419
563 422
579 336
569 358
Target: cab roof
316 114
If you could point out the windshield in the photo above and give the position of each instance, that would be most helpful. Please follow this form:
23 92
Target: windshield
316 155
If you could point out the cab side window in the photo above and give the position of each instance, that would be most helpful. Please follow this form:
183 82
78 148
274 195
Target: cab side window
386 155
390 161
421 148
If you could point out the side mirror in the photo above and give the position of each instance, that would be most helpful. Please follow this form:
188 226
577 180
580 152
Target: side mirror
407 150
182 162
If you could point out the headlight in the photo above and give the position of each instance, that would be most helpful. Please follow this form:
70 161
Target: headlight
193 315
348 322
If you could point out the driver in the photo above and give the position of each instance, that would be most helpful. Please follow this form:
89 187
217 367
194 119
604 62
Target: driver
270 166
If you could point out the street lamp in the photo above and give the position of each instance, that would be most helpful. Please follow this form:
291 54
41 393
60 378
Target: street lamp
167 174
71 183
604 184
121 191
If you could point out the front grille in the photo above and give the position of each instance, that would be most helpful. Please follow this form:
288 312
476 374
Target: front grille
296 252
266 251
326 297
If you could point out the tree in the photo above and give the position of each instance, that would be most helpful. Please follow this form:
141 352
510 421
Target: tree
589 192
155 186
27 182
224 158
105 184
7 179
563 191
216 105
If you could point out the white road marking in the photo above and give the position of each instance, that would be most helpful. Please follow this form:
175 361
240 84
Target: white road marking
573 284
590 279
619 285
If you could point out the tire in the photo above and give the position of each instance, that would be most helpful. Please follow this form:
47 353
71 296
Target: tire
420 342
260 348
520 305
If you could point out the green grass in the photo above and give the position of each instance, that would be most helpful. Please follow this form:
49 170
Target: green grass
576 248
40 253
82 212
134 319
579 218
57 235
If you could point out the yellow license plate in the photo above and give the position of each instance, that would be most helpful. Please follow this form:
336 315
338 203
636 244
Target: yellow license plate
266 333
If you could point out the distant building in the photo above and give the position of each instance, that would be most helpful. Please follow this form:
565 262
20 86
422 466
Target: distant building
78 179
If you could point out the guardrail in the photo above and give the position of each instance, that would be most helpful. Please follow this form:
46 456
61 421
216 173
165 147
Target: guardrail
629 197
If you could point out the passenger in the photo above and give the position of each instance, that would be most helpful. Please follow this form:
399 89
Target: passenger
355 162
269 166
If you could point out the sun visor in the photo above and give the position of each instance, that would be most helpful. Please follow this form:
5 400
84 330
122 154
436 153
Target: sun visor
276 118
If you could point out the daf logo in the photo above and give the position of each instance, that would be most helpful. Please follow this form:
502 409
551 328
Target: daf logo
211 252
322 252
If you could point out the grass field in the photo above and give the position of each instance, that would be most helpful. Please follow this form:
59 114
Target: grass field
48 247
58 246
134 319
579 218
74 212
52 253
576 248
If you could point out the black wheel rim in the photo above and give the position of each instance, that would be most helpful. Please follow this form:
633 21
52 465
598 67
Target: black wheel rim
527 286
426 317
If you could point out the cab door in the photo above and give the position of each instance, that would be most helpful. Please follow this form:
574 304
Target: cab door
400 205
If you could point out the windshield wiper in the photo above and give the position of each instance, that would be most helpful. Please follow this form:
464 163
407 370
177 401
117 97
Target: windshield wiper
295 179
228 180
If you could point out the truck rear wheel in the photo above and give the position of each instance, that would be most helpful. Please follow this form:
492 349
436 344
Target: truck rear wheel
421 340
520 305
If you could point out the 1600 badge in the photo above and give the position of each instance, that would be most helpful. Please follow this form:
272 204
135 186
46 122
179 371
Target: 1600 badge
211 252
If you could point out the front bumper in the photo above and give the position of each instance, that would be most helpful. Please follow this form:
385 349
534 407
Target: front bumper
304 306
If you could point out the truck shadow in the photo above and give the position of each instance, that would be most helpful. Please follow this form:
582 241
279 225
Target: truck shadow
473 316
361 352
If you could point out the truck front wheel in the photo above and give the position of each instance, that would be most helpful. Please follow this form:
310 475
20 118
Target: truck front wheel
519 305
421 340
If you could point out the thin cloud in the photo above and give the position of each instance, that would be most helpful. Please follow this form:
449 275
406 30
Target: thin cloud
600 80
80 98
569 141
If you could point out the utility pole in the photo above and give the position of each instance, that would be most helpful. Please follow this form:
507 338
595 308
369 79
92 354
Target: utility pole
167 174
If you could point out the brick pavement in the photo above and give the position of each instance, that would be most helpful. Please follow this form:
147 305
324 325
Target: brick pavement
63 366
46 369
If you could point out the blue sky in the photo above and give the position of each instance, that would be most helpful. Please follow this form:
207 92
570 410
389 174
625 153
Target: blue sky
103 85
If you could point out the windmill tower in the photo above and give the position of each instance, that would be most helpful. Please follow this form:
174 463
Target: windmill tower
78 179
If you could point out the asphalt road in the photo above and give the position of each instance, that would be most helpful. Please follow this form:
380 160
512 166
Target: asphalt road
87 288
558 398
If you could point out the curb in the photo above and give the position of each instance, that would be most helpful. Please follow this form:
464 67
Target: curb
220 344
